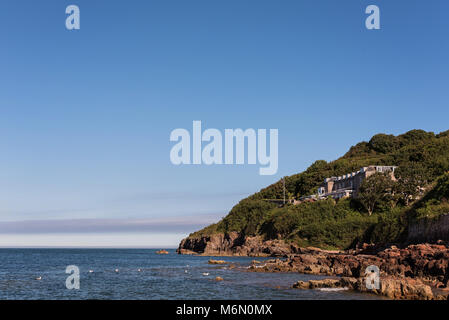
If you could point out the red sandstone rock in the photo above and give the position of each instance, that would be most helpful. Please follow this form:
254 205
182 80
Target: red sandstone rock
393 288
404 270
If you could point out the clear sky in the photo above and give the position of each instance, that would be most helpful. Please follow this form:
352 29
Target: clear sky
86 115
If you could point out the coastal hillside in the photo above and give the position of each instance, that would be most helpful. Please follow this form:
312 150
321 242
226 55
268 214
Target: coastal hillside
258 225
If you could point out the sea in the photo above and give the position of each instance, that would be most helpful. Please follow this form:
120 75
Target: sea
136 274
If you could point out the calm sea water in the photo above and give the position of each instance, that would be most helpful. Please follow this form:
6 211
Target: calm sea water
170 276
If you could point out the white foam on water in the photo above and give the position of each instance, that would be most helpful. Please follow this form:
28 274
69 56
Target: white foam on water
333 289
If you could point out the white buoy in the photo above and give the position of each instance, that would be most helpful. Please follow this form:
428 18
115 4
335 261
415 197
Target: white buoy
139 270
116 270
185 271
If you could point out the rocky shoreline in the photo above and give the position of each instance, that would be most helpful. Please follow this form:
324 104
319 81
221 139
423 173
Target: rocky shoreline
416 271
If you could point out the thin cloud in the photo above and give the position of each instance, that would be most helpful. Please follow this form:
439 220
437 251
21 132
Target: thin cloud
170 224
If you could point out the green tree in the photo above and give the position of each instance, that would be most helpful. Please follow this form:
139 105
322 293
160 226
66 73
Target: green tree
410 181
373 190
384 143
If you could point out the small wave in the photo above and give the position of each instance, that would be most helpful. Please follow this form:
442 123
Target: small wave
333 289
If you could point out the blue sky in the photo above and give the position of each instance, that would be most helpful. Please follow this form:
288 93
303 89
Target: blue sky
86 115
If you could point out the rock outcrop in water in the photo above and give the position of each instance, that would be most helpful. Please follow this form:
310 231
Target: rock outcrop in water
415 272
235 244
390 287
211 261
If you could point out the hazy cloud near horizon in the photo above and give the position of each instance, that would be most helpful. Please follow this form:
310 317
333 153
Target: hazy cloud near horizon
184 224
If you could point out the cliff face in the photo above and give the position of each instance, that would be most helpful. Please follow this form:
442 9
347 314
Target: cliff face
429 230
235 244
